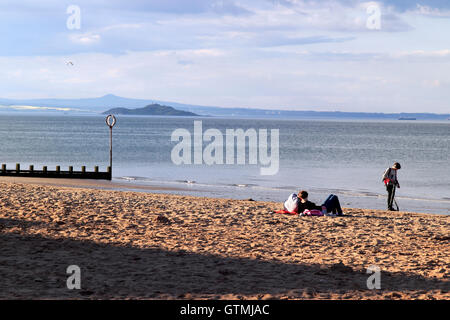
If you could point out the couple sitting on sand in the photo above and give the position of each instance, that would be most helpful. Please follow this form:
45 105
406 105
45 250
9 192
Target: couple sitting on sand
300 204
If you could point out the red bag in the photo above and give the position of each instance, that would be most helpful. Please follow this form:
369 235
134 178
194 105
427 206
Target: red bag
313 212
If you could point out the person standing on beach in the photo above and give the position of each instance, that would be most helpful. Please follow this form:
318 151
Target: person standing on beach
391 182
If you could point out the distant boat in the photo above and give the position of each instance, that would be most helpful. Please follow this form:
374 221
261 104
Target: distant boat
407 118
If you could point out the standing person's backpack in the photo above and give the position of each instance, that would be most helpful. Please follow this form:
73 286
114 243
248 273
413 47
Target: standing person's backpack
389 177
385 178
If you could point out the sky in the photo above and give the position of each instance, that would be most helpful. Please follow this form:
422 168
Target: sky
337 55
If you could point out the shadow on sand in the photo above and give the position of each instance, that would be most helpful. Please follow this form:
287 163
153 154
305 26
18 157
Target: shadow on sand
35 267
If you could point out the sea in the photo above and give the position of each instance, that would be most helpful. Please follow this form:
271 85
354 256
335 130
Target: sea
332 156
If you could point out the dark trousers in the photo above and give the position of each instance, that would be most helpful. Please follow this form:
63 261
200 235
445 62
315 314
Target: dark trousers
332 204
391 194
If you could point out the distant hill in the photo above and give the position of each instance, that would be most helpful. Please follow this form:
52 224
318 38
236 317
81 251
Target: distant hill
100 104
151 110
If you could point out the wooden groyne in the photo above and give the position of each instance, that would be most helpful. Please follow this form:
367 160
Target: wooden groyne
57 173
69 174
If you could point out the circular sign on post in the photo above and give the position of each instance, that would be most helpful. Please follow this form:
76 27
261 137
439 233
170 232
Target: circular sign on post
110 121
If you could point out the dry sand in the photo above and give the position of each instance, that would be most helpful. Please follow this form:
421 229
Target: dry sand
133 245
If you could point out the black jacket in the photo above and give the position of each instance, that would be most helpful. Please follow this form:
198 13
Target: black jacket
307 205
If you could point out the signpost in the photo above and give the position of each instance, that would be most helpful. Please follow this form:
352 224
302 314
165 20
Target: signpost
110 121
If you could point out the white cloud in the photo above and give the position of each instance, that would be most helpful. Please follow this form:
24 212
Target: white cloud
445 53
232 78
123 26
292 54
432 12
85 39
19 107
204 52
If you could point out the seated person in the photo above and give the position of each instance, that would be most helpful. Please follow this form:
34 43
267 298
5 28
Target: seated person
299 203
333 205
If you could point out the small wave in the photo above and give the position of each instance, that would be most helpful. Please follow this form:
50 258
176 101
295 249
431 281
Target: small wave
288 188
133 178
422 199
266 188
184 181
127 178
359 193
242 185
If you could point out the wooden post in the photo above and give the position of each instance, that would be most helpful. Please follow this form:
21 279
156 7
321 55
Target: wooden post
96 169
83 169
44 169
58 169
4 168
70 169
31 168
17 167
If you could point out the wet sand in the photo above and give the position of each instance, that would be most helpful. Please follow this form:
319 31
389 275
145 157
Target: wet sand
87 183
132 245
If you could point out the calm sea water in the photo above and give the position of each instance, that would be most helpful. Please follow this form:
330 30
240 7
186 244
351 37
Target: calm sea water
346 158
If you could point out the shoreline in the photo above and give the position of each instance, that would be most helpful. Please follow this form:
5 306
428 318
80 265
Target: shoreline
135 245
113 186
84 183
184 190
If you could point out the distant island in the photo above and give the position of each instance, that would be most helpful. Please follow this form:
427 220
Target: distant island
97 106
151 110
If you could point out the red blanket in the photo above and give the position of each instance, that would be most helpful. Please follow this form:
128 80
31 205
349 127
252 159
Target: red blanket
286 212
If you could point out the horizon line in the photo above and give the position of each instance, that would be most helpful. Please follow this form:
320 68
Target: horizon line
209 106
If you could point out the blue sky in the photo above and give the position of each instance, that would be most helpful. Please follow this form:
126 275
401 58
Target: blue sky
284 54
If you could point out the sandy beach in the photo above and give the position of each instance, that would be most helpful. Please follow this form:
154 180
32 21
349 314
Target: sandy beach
135 245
